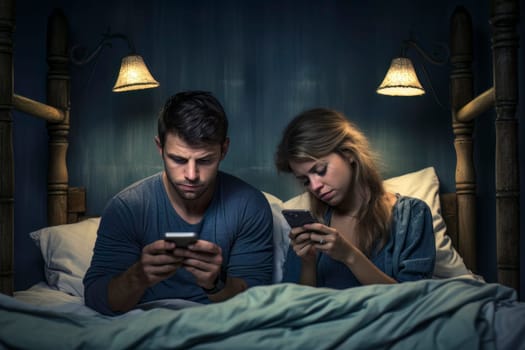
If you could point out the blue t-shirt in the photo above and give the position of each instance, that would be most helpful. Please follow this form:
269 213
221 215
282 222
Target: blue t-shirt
238 219
409 254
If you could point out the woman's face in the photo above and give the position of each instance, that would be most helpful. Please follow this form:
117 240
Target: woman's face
329 178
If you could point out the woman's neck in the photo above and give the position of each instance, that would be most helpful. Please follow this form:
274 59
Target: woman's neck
353 203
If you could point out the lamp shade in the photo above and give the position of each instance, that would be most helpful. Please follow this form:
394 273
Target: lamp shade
134 75
401 79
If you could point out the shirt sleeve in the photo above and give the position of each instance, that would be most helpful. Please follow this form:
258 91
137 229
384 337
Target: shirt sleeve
412 249
113 236
251 256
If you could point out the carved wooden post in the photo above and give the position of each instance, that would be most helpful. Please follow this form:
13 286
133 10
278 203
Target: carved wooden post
461 87
7 184
58 96
504 18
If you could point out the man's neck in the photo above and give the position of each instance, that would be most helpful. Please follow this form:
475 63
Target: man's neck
192 211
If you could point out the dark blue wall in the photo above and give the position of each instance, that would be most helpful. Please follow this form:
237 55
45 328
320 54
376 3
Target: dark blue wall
266 61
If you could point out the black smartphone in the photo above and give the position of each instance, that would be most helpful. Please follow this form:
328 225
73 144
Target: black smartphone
298 217
181 239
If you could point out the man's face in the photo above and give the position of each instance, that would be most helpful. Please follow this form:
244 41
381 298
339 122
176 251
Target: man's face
191 171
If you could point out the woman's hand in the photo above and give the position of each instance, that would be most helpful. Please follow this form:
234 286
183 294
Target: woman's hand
302 244
329 241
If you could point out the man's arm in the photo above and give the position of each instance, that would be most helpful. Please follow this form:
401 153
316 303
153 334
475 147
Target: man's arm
232 287
126 289
157 262
252 254
204 260
249 257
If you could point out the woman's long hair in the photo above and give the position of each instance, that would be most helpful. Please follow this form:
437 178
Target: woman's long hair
317 133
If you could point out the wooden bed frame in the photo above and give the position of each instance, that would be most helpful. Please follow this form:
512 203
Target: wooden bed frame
65 204
503 95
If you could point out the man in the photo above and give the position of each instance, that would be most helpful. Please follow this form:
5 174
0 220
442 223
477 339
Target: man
132 263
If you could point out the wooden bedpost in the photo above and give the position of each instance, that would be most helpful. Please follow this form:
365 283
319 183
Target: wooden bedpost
58 96
7 184
462 92
504 19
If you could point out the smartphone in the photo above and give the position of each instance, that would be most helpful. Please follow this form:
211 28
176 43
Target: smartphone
298 217
181 239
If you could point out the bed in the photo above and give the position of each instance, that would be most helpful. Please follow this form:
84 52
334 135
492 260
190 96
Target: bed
456 308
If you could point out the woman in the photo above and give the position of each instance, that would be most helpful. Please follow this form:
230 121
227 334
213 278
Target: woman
364 235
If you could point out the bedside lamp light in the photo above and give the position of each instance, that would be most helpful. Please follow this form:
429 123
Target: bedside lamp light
401 79
133 74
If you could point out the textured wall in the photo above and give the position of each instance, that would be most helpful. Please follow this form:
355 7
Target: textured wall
266 61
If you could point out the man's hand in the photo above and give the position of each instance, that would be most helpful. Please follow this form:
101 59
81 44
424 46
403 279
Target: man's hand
202 259
157 262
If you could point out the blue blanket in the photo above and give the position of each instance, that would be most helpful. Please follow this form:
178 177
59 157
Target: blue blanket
429 314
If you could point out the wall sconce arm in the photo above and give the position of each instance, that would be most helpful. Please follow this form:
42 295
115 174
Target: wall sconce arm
77 52
439 57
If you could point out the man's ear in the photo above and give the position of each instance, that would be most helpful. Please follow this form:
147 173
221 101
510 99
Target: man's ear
224 147
159 146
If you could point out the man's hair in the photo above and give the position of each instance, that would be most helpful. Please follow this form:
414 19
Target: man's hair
195 116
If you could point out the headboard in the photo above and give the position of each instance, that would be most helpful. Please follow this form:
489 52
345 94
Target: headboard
64 204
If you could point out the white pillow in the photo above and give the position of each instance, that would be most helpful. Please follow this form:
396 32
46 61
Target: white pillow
422 184
281 240
67 251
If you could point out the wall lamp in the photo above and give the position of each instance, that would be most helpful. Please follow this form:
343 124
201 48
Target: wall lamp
133 74
401 78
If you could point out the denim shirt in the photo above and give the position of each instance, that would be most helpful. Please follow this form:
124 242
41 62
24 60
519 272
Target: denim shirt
408 255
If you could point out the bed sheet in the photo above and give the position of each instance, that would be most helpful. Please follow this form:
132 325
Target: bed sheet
41 295
437 314
45 297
